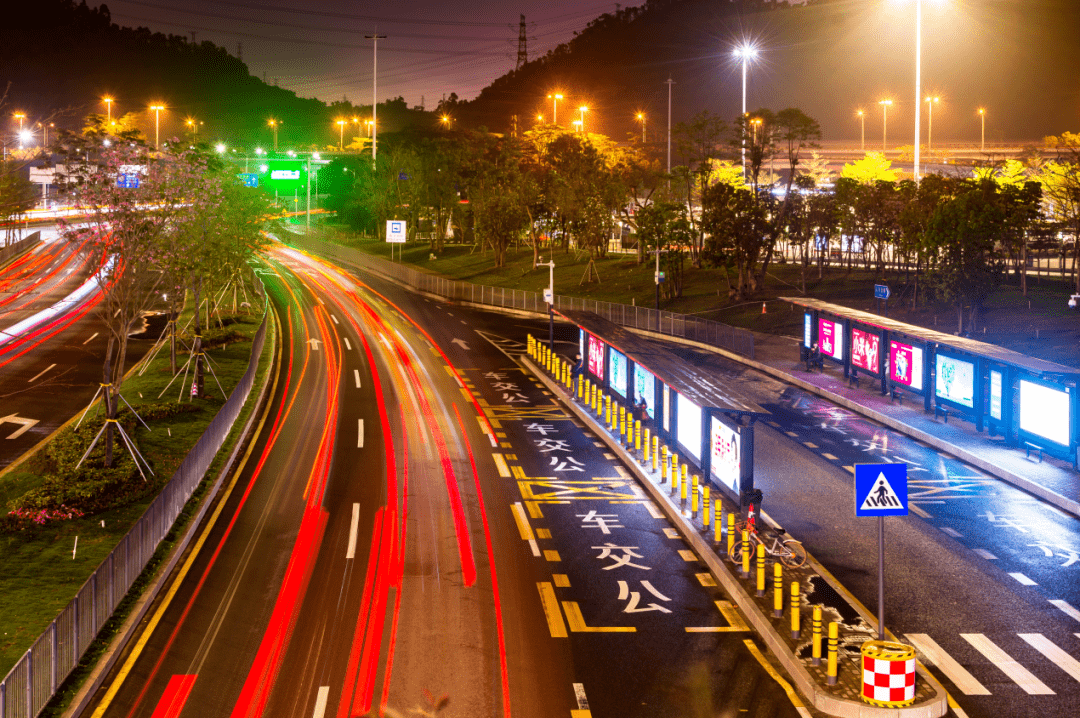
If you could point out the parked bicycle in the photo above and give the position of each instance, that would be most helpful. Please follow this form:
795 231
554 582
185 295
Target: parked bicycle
789 551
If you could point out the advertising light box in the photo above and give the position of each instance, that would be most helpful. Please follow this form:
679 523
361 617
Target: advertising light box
689 426
995 394
831 339
865 350
581 342
667 408
726 457
645 388
1044 412
807 330
956 380
617 366
596 357
906 365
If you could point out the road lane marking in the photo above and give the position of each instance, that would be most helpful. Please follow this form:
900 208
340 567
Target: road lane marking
542 533
791 433
356 376
829 456
671 533
985 554
935 655
353 528
582 703
500 464
951 532
320 702
791 694
360 435
851 469
706 579
577 622
91 338
810 445
653 511
551 610
552 556
40 373
175 696
561 580
524 529
1007 665
335 319
1022 578
687 555
347 345
922 513
1066 608
1051 650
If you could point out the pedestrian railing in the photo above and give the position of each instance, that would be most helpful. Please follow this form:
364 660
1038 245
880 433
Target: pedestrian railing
34 679
704 331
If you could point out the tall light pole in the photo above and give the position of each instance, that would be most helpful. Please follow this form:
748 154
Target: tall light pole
885 122
918 89
194 125
669 83
862 130
577 125
930 125
550 299
555 107
583 109
641 117
21 117
341 135
374 93
744 52
108 109
157 125
274 125
982 120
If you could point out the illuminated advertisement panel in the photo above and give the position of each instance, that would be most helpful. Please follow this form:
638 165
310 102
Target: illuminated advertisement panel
617 366
956 380
1044 412
906 365
688 415
596 357
995 395
645 388
726 458
831 338
667 408
581 342
807 326
865 350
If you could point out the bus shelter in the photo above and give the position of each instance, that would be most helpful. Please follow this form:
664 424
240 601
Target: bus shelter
1025 399
708 417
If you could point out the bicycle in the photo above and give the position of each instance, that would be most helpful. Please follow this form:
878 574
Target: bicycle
790 552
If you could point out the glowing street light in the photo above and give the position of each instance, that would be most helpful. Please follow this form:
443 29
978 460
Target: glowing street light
755 125
341 135
448 121
274 125
157 124
220 148
370 127
555 107
108 109
539 119
45 132
745 52
25 138
862 125
192 123
930 125
885 104
583 109
641 119
20 116
577 125
982 120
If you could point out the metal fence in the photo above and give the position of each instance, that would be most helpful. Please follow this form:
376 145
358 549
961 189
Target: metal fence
10 250
34 679
705 331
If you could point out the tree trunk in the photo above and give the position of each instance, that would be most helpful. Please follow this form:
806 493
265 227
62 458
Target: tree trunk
1023 267
108 398
196 348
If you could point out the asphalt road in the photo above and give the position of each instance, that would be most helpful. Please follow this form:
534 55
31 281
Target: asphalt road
418 527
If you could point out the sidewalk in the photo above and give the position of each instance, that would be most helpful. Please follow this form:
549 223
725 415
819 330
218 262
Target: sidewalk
789 639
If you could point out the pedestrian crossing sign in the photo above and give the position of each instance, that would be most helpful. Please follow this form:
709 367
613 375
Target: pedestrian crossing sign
881 490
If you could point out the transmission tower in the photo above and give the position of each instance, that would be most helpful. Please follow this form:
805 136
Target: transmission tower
523 55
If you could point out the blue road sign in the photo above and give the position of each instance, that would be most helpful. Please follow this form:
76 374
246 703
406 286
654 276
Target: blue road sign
881 291
881 490
127 181
249 179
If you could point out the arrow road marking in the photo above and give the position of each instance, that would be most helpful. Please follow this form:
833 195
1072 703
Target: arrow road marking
461 343
314 343
14 419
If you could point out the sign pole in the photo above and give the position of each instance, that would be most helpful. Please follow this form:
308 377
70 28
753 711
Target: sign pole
881 577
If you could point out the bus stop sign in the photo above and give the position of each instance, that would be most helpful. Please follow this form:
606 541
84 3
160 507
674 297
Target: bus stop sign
881 490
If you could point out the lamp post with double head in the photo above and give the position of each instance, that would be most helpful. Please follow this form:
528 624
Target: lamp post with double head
885 104
745 52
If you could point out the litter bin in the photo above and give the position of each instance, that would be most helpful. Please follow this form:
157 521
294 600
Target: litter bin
888 674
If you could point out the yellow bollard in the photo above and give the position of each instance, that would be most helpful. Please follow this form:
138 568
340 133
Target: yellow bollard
795 610
682 492
830 670
595 402
730 531
607 409
648 445
706 510
622 423
674 475
816 643
745 554
694 496
760 570
580 387
637 437
655 452
778 590
717 524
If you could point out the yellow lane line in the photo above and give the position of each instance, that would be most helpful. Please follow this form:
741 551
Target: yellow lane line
551 610
577 621
791 694
500 464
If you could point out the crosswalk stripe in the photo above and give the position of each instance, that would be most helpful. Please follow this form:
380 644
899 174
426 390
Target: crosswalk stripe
1008 665
1066 608
985 554
1048 648
964 681
1022 578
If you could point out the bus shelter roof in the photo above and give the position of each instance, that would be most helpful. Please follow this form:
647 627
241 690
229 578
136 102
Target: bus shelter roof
993 352
704 389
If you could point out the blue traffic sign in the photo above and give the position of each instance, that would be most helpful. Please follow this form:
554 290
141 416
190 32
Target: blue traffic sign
881 490
249 179
127 181
881 291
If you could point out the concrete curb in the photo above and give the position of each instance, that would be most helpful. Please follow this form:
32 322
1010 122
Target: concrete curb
805 683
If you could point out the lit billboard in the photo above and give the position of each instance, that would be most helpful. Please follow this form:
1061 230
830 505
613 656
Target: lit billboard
906 365
1044 412
725 461
831 338
596 357
865 350
688 431
617 366
956 380
645 388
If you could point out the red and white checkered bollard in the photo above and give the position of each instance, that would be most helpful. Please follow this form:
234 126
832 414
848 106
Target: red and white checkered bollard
888 674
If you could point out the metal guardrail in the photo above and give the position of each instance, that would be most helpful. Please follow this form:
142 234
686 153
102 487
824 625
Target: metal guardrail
705 331
34 679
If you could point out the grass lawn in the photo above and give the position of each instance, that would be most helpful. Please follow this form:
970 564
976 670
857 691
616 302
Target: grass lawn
39 573
1039 324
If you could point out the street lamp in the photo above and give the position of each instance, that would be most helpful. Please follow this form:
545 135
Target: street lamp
583 110
930 125
274 125
755 125
982 121
194 125
577 125
341 135
220 148
370 127
157 125
555 107
20 116
45 133
862 130
549 297
108 109
641 118
448 121
25 137
885 125
539 119
744 52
